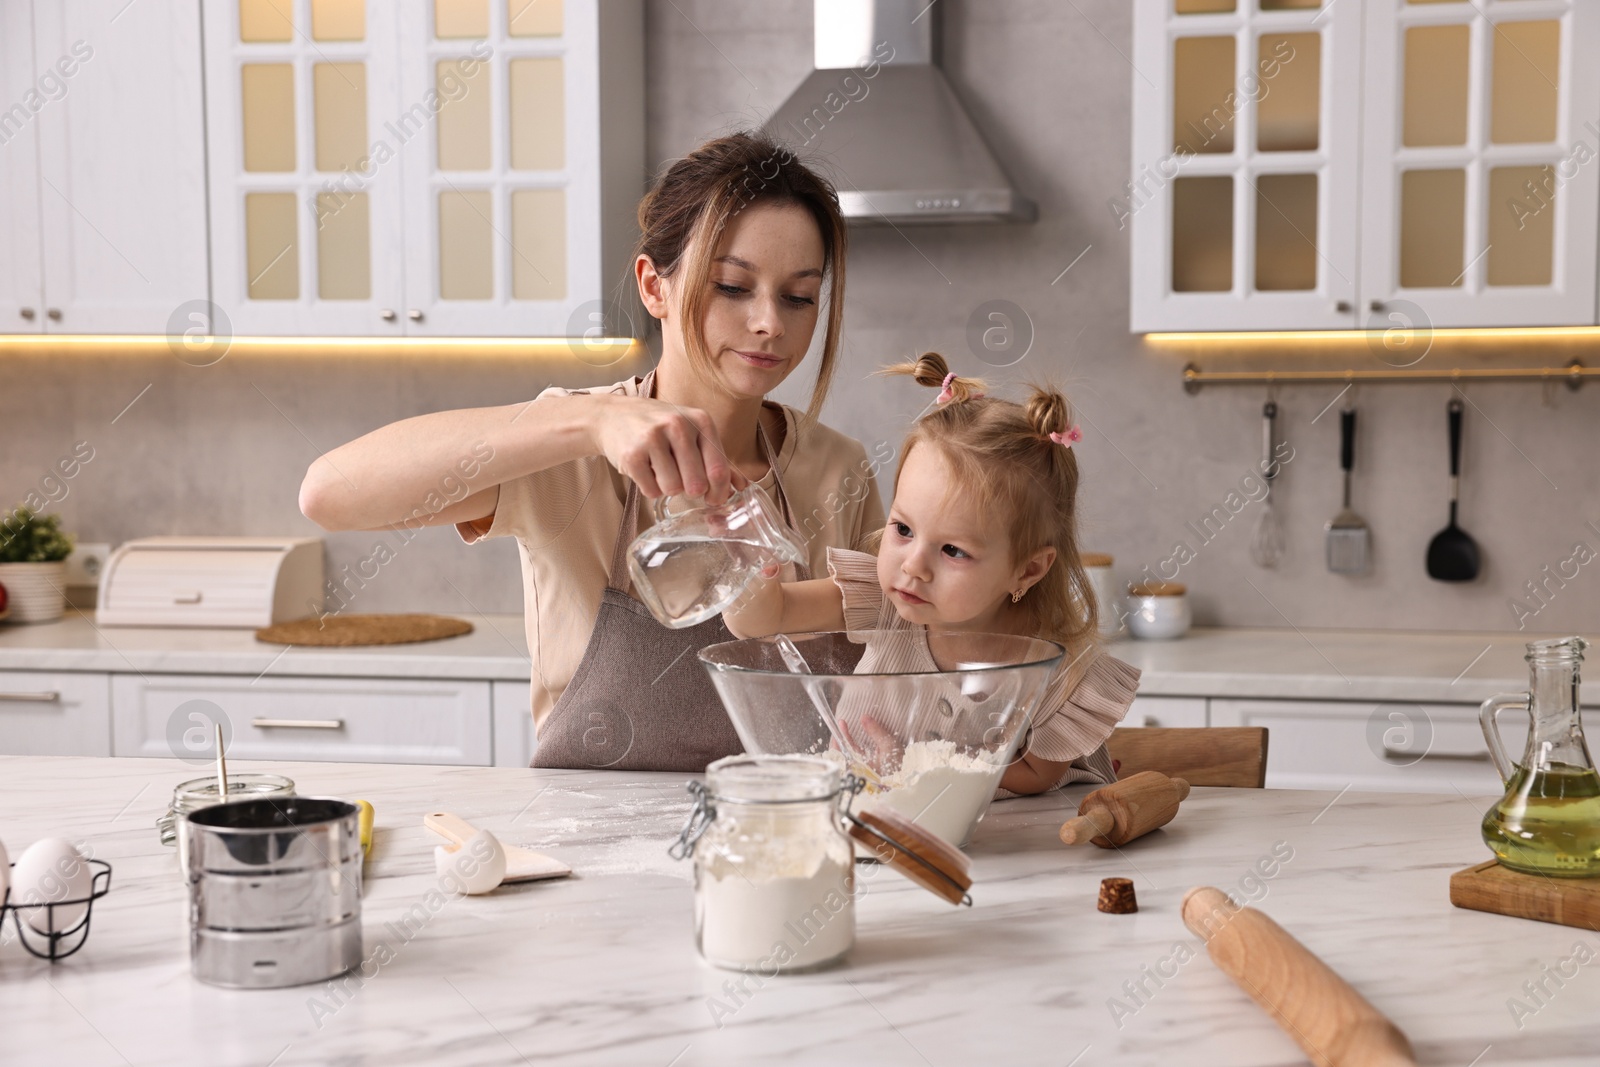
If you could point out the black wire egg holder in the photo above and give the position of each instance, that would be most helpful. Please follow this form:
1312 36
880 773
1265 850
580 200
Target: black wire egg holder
57 938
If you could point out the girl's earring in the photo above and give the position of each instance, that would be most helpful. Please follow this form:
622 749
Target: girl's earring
1017 596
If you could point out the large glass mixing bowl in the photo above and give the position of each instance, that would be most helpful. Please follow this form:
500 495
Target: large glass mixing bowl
932 738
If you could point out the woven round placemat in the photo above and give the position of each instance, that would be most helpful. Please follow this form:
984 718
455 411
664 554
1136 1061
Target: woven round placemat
347 630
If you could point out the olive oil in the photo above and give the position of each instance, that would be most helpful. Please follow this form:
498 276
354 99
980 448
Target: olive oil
1548 822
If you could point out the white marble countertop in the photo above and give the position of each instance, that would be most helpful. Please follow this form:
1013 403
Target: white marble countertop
601 968
496 649
1454 668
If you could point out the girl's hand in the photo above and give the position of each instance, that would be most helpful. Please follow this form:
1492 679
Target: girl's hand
759 611
668 450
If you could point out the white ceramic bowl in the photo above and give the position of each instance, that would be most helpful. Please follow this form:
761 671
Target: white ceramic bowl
1158 618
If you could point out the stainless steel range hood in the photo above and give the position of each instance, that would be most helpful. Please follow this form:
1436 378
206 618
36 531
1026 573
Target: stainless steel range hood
879 118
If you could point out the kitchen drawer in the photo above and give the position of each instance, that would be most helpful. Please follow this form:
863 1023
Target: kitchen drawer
514 740
1166 711
357 720
44 713
1390 746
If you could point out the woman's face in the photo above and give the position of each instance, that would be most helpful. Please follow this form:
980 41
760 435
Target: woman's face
766 288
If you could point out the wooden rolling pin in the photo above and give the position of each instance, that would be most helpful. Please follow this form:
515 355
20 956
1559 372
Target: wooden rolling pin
1327 1018
1125 810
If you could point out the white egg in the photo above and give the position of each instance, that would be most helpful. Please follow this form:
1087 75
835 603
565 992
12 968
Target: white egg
476 866
48 871
5 873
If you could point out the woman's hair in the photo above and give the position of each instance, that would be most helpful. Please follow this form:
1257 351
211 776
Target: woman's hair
1003 461
683 216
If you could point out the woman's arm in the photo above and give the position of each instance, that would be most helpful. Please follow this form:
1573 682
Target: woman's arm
447 467
773 607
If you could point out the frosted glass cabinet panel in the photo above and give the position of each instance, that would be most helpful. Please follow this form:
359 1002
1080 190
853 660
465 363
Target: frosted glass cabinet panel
1479 192
415 167
1246 172
102 220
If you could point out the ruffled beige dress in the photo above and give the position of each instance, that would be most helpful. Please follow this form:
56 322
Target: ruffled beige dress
1085 699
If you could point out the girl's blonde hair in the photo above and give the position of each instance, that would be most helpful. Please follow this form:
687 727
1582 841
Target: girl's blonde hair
683 216
1004 461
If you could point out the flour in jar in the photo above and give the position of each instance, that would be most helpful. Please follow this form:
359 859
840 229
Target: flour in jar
938 788
783 905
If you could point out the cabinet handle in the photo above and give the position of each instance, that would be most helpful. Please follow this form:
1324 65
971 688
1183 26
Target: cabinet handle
50 696
414 315
27 313
387 314
1377 305
187 598
1342 307
1150 720
297 724
1398 755
54 314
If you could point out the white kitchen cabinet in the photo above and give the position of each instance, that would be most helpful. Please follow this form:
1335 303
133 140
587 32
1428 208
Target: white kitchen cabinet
1246 129
459 167
1481 138
1383 746
103 228
1166 711
55 713
1329 164
356 720
514 739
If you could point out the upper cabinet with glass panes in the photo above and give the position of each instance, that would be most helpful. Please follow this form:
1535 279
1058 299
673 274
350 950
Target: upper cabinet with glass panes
446 167
1324 164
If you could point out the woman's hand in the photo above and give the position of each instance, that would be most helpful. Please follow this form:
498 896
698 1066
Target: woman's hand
668 450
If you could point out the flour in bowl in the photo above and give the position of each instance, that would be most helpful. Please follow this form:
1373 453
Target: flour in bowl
938 788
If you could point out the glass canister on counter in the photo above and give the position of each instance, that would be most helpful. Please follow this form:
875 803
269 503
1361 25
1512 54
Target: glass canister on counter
1097 565
774 873
200 793
1548 822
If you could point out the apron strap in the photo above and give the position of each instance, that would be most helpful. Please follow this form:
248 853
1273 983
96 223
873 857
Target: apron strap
630 506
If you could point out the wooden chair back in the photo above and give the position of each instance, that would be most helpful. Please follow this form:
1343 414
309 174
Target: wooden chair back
1201 755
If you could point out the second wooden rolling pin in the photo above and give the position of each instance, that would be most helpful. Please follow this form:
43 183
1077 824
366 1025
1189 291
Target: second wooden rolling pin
1334 1024
1125 810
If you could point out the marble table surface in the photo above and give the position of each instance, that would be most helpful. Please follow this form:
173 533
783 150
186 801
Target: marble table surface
601 968
1455 668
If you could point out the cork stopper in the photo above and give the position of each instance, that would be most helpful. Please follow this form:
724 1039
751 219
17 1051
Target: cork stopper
1116 897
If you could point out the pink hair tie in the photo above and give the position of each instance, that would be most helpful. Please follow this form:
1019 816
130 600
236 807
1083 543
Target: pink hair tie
945 395
1065 440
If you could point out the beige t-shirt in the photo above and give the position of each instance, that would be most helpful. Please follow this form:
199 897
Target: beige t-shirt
565 520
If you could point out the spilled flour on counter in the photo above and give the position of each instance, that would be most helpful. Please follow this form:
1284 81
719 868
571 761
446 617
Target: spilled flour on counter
938 788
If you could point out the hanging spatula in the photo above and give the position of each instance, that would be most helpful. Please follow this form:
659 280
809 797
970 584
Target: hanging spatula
1349 539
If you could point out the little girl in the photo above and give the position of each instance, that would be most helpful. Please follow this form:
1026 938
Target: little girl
982 536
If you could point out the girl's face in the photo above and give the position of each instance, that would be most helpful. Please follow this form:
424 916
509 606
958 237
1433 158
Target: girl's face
766 287
943 565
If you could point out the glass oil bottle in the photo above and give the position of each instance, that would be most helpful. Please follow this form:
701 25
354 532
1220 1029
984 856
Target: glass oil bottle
1548 822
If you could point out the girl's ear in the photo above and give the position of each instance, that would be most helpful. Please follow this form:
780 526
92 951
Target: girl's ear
1037 566
652 287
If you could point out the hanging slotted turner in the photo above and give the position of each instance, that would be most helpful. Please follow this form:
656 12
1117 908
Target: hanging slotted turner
1349 539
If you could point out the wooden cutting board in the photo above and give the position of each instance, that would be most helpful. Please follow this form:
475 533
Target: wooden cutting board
1491 887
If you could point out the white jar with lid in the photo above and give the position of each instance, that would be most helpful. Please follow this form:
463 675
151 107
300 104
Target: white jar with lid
774 872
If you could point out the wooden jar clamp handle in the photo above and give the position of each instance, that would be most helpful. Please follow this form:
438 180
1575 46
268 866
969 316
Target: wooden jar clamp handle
1329 1020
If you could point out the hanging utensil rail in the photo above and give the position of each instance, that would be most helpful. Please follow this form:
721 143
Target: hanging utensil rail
1571 376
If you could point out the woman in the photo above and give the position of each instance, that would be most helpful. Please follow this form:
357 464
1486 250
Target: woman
738 240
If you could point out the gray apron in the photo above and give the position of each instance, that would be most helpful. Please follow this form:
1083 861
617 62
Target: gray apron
640 700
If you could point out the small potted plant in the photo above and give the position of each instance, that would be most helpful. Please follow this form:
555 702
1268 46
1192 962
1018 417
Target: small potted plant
33 568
